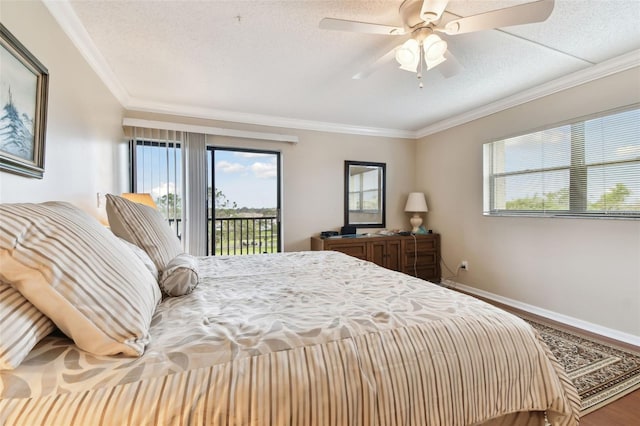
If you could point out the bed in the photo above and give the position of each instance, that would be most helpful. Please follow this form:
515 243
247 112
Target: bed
305 338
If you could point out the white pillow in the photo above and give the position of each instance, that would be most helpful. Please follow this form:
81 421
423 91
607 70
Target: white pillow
145 227
143 256
22 325
180 276
76 272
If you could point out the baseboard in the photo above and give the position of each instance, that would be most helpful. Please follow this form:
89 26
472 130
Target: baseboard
565 319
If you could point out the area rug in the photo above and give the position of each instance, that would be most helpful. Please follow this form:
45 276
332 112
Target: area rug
601 372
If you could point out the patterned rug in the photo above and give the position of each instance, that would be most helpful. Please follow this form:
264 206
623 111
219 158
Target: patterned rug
600 372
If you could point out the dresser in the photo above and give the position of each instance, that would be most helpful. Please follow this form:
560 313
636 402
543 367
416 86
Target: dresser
416 255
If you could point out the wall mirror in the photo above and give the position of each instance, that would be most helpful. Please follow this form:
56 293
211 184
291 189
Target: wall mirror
364 194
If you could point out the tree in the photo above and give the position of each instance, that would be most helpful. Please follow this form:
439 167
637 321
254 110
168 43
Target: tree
224 207
558 200
170 205
613 199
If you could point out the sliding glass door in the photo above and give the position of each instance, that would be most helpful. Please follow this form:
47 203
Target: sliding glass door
243 201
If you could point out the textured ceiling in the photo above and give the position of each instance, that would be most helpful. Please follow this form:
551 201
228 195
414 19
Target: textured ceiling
245 59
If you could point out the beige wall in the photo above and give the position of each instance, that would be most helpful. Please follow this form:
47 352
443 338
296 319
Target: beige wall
84 120
584 268
313 173
85 152
588 269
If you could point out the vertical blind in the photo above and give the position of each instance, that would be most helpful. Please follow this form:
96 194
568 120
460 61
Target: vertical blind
194 150
156 168
587 167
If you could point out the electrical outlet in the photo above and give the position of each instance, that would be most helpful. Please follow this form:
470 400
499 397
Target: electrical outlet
464 265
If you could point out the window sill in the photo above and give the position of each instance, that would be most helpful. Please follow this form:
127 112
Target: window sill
605 216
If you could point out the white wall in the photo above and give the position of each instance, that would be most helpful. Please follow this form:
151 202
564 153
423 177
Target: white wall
584 268
84 127
313 174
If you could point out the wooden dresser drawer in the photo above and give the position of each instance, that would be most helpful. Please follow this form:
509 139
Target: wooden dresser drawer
358 250
417 255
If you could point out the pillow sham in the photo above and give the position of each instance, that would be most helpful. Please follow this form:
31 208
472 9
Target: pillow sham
143 256
145 227
22 325
76 272
180 276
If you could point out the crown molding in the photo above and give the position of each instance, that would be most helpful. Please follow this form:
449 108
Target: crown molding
207 130
266 120
66 17
603 69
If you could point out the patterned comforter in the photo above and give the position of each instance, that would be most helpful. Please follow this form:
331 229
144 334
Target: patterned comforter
308 338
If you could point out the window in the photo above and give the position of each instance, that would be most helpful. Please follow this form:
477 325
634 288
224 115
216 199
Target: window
240 213
364 194
243 211
157 170
589 167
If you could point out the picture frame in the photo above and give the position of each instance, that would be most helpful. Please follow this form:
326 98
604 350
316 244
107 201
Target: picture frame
24 85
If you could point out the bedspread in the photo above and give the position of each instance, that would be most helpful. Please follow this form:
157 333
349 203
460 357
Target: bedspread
307 338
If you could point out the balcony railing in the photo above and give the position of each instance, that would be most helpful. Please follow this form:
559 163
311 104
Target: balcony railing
238 235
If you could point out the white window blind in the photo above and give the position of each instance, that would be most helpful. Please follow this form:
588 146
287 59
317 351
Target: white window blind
589 167
156 168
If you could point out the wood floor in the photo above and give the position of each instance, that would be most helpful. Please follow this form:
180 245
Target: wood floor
623 412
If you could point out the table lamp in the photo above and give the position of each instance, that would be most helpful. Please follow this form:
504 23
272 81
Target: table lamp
416 204
141 198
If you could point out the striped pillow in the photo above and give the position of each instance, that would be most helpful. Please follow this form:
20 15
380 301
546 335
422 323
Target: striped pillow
21 327
76 272
143 256
181 275
144 227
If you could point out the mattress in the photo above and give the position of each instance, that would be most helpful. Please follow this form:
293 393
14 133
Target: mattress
305 338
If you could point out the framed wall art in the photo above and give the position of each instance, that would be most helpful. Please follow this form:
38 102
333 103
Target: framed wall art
24 84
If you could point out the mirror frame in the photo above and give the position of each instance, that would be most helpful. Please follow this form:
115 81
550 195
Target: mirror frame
383 170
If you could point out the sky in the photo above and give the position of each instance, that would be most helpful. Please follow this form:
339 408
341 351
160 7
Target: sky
247 178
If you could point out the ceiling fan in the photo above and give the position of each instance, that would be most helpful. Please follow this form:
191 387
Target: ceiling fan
421 25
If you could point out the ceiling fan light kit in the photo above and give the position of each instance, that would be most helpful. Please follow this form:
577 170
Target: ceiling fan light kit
408 55
434 48
429 50
421 19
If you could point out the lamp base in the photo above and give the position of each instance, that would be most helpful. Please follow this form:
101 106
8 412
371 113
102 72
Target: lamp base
415 222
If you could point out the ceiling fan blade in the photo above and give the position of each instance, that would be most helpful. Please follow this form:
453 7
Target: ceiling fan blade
536 11
359 27
374 66
432 10
450 67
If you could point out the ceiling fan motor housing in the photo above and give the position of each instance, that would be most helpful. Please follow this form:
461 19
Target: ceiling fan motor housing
410 14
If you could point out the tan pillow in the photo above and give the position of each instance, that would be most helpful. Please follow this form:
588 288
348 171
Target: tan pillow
22 325
180 276
76 272
145 227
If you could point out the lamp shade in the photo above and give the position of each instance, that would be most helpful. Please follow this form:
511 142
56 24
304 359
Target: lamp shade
142 198
416 203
